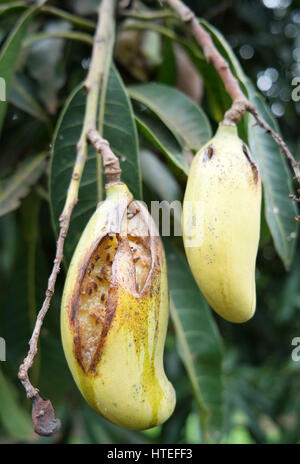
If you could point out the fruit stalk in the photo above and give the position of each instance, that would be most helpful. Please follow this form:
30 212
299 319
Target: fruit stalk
240 104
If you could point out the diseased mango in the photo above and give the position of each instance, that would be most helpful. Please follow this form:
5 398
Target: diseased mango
221 224
114 314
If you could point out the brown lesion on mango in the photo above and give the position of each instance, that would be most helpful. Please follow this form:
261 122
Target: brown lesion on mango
116 264
92 300
208 153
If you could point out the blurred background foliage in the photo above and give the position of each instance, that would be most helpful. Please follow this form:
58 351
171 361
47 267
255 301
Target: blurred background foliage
243 375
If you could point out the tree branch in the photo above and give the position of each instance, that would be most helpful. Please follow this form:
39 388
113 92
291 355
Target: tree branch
240 104
42 411
110 161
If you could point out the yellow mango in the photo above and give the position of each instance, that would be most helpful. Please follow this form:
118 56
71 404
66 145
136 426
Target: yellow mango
221 224
114 314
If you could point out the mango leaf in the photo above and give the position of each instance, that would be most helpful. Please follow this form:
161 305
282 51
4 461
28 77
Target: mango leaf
167 70
10 52
48 69
13 417
17 319
179 113
158 177
22 95
199 343
216 98
279 209
15 188
10 6
226 51
118 128
161 137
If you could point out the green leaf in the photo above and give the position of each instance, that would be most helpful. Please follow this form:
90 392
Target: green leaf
220 103
179 113
118 128
10 6
18 319
48 69
159 135
22 95
280 210
10 52
216 98
167 70
225 49
158 177
15 188
14 418
200 345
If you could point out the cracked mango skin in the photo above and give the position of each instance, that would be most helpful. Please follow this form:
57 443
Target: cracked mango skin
114 315
221 224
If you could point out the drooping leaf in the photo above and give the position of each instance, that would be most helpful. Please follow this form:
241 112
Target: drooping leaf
10 6
22 95
15 321
15 188
118 128
226 51
279 209
48 68
216 98
158 177
161 137
18 319
200 345
167 70
8 245
179 113
9 55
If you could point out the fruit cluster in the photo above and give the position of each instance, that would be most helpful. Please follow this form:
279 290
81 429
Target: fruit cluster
115 304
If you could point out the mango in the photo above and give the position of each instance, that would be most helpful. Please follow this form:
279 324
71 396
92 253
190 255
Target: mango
114 314
221 224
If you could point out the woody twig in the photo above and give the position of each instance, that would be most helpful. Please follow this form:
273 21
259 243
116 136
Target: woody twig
43 416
